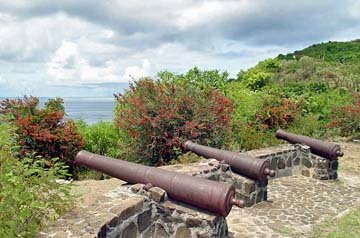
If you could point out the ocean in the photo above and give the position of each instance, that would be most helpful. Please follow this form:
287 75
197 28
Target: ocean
89 109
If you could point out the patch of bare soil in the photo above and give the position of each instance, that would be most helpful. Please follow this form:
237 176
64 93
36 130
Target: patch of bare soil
350 162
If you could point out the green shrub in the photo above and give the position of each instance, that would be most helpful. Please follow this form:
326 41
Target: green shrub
309 125
29 193
246 102
257 80
270 65
248 136
160 115
323 103
259 76
204 80
103 138
43 130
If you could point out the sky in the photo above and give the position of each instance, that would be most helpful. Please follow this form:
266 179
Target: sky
80 48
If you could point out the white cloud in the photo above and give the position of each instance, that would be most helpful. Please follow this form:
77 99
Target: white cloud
66 64
70 66
3 81
136 72
37 38
205 13
355 8
5 17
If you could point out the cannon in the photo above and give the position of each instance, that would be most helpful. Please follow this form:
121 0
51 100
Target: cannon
327 150
216 197
240 163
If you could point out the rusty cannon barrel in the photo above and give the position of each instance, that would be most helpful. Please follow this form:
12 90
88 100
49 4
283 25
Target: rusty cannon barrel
209 195
327 150
243 164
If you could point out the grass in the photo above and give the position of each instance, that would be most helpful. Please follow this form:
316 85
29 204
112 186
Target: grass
347 226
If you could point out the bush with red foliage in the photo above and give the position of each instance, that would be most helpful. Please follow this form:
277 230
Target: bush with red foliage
347 118
160 115
278 113
43 131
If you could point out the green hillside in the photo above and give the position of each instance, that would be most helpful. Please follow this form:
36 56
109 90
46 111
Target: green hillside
336 52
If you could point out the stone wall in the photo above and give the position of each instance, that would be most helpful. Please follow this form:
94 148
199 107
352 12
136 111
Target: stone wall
132 211
179 220
318 167
249 190
284 159
297 159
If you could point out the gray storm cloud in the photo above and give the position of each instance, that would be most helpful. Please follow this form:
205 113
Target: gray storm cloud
107 40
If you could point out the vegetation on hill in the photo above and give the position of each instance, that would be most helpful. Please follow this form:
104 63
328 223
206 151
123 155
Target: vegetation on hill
309 95
332 51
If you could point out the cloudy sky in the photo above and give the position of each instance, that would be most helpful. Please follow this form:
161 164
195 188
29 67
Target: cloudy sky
93 48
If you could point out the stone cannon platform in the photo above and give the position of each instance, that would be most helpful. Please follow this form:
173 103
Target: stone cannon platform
282 207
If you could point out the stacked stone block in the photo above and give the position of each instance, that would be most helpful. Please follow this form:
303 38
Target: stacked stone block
133 211
284 159
249 190
169 218
316 166
288 160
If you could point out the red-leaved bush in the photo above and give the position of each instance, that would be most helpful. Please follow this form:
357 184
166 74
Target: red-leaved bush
347 119
159 116
43 131
276 113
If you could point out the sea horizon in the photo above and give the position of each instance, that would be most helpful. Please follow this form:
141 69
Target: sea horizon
89 109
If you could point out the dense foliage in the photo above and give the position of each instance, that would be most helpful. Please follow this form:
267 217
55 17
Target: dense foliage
346 119
42 131
335 52
204 80
259 76
301 95
160 115
29 193
102 138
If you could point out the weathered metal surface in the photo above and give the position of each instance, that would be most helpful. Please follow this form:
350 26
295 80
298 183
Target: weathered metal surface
209 195
243 164
327 150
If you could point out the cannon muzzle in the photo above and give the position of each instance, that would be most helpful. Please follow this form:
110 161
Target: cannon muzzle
327 150
243 164
209 195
